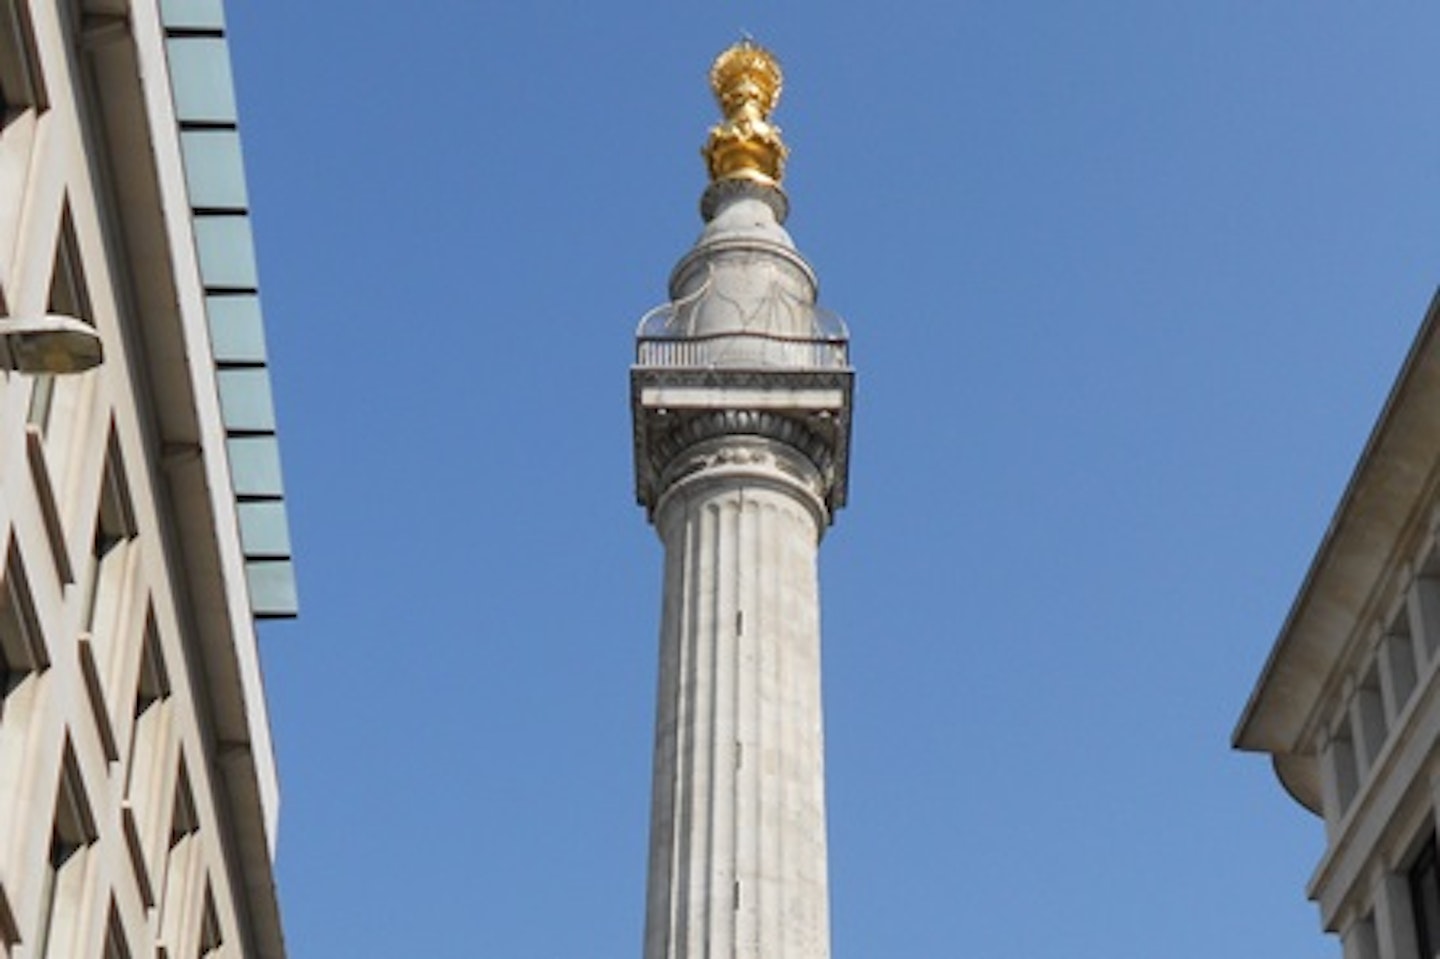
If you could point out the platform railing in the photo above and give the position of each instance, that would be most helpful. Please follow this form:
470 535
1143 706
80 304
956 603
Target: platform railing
741 350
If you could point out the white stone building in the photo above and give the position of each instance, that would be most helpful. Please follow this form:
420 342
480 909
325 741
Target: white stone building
1348 704
142 522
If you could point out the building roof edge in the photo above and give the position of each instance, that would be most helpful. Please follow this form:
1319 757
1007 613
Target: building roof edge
1377 507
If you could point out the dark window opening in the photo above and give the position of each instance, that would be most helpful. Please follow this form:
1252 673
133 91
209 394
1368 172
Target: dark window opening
21 650
1425 898
72 832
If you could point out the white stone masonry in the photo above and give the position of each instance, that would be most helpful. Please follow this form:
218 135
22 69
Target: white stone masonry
737 847
741 396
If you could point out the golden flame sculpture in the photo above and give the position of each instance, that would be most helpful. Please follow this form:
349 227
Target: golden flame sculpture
746 80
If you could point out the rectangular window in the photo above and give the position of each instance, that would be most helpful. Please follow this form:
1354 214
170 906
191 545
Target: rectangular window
181 862
22 103
107 579
22 652
1424 880
20 76
62 854
1343 771
148 738
1424 604
1370 727
63 883
1399 662
22 655
152 686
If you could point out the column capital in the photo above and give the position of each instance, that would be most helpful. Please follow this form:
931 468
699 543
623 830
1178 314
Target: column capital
750 461
691 421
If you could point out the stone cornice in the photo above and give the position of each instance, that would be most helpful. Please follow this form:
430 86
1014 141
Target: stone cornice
669 448
772 405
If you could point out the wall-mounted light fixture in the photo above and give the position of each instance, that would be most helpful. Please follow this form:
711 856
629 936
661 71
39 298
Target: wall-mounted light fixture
49 344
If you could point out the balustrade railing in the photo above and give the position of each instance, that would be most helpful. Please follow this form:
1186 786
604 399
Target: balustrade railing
741 350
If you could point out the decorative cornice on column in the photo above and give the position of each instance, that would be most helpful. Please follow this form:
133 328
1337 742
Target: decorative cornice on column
752 460
677 411
720 424
730 438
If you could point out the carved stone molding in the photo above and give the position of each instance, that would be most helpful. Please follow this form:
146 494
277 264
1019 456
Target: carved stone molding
742 455
722 192
689 446
753 459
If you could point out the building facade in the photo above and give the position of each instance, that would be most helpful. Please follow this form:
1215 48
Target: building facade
142 517
741 395
1348 704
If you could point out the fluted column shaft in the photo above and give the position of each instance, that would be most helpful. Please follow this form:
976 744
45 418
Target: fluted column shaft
737 847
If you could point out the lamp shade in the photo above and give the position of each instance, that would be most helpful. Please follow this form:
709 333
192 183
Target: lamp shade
49 344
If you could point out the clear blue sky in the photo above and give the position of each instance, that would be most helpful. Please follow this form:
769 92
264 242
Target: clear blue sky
1127 282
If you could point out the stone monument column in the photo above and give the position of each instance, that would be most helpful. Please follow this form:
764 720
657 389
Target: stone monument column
741 394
